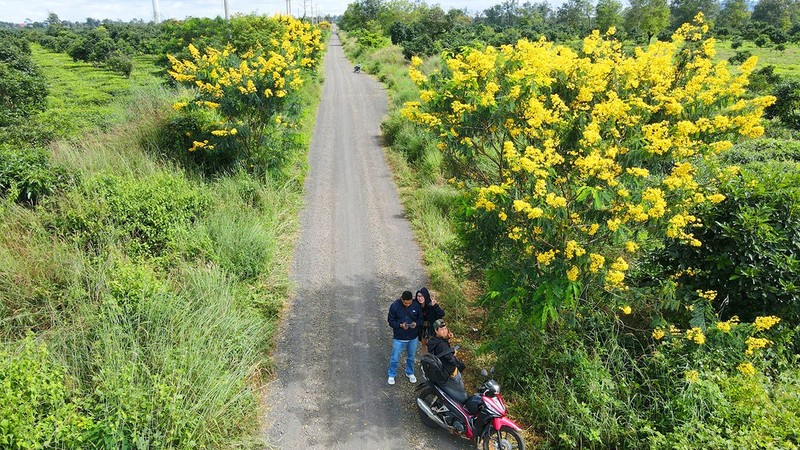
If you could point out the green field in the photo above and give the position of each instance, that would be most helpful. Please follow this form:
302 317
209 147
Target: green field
82 97
786 62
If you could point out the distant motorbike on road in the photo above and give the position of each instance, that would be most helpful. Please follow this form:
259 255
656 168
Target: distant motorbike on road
481 418
357 68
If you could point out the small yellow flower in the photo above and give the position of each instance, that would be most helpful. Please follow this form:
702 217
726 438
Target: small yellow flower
572 273
754 343
765 323
625 309
658 334
692 376
696 334
746 369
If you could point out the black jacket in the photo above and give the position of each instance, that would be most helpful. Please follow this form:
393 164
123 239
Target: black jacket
398 314
437 346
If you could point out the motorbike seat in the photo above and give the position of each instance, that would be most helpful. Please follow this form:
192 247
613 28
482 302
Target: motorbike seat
455 391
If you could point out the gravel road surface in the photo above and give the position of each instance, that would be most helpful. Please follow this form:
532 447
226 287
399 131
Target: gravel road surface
355 254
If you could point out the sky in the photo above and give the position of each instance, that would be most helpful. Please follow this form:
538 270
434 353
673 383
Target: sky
18 11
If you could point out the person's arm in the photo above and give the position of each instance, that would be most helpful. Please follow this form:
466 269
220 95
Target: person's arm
451 360
393 320
436 312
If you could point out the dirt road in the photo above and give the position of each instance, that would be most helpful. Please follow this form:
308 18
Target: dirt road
354 256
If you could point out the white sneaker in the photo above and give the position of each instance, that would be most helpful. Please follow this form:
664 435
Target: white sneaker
391 380
412 378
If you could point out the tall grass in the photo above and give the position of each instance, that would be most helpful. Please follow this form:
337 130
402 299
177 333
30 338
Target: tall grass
132 147
39 274
155 287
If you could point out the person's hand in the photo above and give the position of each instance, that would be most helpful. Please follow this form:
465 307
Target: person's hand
433 301
404 326
449 334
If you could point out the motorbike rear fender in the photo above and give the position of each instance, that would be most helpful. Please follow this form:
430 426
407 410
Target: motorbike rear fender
499 422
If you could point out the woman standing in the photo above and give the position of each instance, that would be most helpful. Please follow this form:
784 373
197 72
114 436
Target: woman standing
431 312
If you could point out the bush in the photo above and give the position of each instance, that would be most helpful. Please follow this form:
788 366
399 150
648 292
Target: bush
36 410
169 370
787 104
764 80
740 57
762 41
23 89
28 174
147 216
121 64
749 253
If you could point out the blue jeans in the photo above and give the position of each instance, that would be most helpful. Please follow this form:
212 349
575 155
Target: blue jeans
397 348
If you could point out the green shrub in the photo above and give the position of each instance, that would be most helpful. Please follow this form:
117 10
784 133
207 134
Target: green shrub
762 150
23 89
28 170
121 64
147 215
763 80
36 410
577 386
749 253
740 57
787 104
243 245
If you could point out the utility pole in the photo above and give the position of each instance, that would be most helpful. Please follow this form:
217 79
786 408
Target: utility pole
156 14
289 8
225 2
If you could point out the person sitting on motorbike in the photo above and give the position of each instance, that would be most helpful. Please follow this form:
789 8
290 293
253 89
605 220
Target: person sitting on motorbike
440 345
357 68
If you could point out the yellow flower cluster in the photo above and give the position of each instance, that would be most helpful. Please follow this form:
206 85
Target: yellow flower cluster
708 295
252 85
696 334
692 376
544 258
765 323
746 369
755 343
504 115
727 325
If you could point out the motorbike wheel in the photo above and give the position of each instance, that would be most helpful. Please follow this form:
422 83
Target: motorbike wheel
509 439
428 395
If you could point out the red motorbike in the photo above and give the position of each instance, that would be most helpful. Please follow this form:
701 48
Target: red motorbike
481 418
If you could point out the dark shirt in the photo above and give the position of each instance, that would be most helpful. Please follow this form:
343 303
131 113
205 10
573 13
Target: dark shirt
398 314
437 346
432 313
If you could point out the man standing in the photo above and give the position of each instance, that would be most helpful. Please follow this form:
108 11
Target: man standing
405 316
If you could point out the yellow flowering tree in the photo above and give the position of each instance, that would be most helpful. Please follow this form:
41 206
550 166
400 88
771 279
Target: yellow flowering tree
575 159
242 96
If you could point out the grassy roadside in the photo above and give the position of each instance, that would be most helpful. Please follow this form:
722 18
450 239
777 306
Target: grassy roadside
151 290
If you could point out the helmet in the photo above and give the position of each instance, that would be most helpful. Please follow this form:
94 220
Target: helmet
490 388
